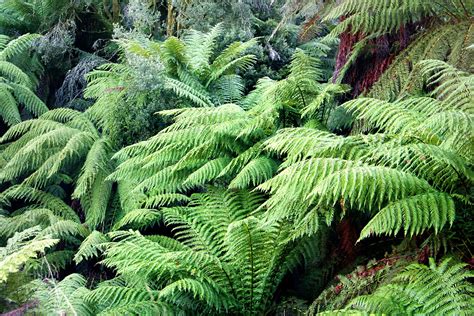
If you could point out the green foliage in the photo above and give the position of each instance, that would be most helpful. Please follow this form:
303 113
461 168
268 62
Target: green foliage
375 17
41 151
406 175
438 30
225 259
17 82
22 247
185 72
65 297
91 246
234 205
445 42
38 16
443 289
223 144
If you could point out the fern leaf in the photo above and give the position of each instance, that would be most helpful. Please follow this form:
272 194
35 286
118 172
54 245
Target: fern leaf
413 214
91 247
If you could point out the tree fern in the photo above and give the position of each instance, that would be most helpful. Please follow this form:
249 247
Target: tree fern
442 289
205 145
182 67
220 262
391 15
444 42
91 246
445 35
22 247
71 138
62 297
403 175
17 87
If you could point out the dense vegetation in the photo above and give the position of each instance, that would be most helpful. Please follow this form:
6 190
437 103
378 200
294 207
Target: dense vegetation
240 157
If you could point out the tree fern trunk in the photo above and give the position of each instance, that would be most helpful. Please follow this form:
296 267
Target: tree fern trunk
375 59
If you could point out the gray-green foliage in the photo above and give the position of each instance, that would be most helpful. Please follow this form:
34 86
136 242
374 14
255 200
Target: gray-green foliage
184 72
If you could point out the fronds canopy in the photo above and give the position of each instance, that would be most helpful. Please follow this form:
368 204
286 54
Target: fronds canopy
40 151
219 262
443 289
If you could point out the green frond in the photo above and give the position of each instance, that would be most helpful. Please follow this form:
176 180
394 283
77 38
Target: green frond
18 251
51 262
219 262
128 301
367 187
199 290
254 173
287 191
63 229
442 289
413 215
97 161
302 142
17 46
325 96
343 312
9 111
376 18
38 197
381 114
227 89
63 297
139 219
207 172
454 87
4 39
165 199
442 167
239 162
31 102
91 247
14 74
446 41
230 60
26 218
199 47
37 126
185 91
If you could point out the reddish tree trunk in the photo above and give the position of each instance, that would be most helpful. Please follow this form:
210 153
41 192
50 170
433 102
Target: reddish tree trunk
372 62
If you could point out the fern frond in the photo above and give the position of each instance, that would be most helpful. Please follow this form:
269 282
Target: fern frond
14 74
9 111
31 102
367 187
199 47
139 219
17 46
413 215
19 250
183 90
91 247
254 173
63 297
442 289
48 201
